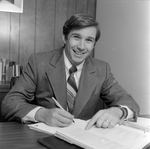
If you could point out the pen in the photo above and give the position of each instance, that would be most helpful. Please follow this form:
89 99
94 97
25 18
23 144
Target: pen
58 105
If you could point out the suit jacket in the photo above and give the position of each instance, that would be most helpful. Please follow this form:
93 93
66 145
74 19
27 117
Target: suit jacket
44 77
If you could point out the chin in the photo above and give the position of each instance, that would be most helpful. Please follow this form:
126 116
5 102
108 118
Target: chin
77 62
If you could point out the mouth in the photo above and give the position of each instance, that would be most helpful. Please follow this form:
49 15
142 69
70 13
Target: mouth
79 52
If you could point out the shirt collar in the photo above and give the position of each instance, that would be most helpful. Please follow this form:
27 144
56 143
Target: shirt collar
69 65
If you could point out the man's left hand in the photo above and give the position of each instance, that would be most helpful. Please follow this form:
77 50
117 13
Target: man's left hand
106 118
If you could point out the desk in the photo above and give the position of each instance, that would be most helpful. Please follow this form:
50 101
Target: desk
4 89
14 135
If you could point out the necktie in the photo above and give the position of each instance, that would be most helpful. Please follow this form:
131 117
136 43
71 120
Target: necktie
71 89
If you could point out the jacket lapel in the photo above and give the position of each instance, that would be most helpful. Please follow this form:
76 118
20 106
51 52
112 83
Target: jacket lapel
87 84
57 77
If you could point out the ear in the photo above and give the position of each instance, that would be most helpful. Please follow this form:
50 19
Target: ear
94 45
63 38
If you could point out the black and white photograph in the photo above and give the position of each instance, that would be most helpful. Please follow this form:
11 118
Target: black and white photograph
75 74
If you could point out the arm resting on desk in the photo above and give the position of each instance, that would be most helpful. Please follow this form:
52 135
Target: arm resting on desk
30 117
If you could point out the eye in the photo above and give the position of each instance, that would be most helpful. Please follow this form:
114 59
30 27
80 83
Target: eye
76 37
90 40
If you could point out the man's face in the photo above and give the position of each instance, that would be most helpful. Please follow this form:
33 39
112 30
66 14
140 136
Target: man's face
79 44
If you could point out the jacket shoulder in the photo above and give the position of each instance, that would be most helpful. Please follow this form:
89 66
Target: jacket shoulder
98 62
42 55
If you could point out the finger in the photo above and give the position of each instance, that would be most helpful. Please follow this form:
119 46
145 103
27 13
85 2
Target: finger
66 114
57 119
56 123
61 124
92 121
64 120
64 117
105 123
100 121
112 124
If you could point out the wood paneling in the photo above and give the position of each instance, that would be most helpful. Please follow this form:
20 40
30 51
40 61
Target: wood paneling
60 18
71 8
27 31
91 8
14 37
81 6
38 28
4 34
45 25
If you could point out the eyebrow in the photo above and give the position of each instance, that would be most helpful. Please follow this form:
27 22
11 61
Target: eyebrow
80 35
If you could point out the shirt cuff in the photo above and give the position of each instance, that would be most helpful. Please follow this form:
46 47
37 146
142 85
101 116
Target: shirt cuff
30 117
130 112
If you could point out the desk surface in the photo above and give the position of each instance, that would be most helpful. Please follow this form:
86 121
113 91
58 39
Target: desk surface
5 85
14 135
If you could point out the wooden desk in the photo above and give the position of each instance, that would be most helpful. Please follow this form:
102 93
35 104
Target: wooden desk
4 86
14 135
4 89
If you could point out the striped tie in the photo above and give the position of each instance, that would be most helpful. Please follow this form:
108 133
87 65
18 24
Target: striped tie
71 89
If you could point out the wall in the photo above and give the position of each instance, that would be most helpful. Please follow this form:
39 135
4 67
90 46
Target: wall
125 44
38 28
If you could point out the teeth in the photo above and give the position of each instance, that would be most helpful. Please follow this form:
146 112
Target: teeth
78 53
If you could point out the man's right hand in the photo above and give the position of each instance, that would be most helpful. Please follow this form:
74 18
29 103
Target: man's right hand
54 117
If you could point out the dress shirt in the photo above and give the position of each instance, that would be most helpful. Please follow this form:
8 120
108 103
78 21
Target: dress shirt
77 74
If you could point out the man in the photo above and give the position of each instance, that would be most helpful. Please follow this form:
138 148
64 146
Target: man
48 75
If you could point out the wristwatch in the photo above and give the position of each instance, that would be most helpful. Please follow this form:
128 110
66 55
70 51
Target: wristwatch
124 111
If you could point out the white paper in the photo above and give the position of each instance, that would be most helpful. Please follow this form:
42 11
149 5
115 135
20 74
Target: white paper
119 137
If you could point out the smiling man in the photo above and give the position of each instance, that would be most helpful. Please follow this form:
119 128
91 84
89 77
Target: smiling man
79 44
77 81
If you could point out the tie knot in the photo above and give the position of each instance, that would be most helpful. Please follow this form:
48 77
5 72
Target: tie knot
72 69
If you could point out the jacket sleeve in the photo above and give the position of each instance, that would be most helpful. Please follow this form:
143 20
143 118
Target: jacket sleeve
113 94
16 103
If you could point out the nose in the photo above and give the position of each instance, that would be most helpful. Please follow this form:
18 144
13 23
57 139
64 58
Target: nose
81 45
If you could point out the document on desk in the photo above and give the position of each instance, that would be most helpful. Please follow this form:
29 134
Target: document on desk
119 137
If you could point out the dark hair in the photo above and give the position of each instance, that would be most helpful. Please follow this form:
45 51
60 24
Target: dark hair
79 21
